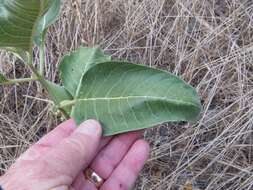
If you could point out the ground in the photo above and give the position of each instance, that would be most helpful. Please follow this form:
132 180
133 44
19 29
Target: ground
208 43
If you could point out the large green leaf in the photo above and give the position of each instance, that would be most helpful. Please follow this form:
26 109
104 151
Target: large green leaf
75 65
126 97
21 20
3 79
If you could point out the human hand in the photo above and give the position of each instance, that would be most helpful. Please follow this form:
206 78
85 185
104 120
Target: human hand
58 160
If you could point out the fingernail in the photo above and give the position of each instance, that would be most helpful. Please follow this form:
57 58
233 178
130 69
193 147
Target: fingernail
89 127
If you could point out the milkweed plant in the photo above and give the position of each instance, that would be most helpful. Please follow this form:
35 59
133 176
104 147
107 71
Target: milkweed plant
123 96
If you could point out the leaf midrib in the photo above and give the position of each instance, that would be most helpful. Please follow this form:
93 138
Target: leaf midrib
134 97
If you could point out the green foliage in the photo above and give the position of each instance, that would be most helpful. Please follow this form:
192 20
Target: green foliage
75 65
48 18
59 94
122 96
23 21
125 96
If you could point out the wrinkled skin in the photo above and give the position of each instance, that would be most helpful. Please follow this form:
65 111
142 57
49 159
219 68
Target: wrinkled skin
58 160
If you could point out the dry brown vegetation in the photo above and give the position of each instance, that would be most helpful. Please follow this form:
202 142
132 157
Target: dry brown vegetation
209 43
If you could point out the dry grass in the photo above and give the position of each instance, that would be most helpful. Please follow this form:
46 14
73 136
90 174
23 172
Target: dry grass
209 43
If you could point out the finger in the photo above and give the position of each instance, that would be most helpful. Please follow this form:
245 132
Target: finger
80 182
48 141
59 133
104 142
124 176
106 160
83 184
109 157
75 152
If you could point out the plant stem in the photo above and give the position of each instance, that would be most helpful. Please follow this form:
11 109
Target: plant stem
18 81
44 84
36 73
42 59
67 103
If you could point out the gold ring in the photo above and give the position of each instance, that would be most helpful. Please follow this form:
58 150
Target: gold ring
93 177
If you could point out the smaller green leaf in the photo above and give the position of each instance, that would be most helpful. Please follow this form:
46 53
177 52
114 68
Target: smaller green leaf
76 64
59 94
46 20
3 79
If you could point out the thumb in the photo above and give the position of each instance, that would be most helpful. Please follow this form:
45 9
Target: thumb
75 152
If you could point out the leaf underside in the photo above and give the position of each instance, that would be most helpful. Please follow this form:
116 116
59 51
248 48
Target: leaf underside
75 65
127 97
